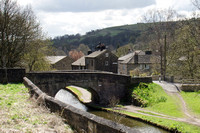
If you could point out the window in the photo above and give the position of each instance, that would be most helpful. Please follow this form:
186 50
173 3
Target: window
124 67
146 66
106 63
141 66
107 54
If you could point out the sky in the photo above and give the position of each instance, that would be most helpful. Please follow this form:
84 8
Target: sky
61 17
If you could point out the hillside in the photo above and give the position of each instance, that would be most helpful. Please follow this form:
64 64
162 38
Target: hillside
113 37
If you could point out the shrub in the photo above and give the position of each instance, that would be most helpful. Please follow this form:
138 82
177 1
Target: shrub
145 95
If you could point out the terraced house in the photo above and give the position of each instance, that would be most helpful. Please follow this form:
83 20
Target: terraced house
60 62
102 60
137 62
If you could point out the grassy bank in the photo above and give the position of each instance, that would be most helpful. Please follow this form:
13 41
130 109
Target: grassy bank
19 113
192 100
168 124
154 98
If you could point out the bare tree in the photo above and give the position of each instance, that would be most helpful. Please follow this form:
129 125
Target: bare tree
161 29
18 28
196 3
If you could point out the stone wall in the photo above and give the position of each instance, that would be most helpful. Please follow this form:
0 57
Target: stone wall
136 80
11 75
81 121
190 87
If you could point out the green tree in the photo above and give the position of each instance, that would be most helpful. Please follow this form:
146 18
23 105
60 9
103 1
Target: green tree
35 59
185 51
18 30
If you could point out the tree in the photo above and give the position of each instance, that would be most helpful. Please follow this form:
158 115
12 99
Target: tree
161 30
35 59
84 48
18 30
185 58
75 55
196 3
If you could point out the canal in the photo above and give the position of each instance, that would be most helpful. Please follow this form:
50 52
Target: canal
68 98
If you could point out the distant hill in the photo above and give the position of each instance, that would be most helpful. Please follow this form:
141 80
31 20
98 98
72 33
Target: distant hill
113 37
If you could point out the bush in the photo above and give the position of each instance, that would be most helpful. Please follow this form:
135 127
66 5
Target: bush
145 95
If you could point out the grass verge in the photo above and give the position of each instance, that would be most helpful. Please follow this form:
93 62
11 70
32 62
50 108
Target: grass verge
19 113
171 125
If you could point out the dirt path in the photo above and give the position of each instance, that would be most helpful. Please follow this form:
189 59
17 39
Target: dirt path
174 91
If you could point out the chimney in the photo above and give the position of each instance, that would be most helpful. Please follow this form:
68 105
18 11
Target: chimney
148 52
89 52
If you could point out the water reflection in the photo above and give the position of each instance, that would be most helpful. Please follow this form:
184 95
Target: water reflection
68 98
142 127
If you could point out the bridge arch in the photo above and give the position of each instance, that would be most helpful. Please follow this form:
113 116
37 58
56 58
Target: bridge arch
103 85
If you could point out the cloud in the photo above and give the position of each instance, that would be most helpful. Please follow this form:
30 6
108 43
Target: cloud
179 5
88 5
58 24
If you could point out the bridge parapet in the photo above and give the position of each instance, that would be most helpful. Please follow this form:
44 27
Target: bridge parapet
106 84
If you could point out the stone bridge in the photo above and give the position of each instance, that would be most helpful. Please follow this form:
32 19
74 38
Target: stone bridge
103 85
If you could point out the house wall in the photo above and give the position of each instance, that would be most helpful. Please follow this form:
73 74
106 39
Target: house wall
64 64
103 62
90 63
78 67
126 68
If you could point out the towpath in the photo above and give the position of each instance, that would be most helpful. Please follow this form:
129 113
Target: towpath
172 90
85 96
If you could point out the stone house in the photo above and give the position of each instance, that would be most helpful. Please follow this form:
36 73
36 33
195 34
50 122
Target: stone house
79 64
102 60
138 61
60 62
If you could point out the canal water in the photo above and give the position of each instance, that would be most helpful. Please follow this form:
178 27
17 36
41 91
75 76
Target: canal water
70 99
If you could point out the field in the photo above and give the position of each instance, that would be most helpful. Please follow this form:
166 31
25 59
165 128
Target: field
20 113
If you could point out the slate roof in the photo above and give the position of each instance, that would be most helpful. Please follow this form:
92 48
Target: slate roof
141 58
96 53
54 59
79 62
125 57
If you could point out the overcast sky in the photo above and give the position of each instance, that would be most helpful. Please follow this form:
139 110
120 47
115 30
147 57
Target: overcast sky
60 17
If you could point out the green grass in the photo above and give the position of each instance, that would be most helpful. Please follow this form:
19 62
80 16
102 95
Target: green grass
168 124
157 100
20 113
76 92
171 124
192 100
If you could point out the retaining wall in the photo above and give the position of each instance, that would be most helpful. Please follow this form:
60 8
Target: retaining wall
81 121
190 87
11 75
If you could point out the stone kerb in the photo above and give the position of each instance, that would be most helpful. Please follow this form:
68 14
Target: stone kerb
78 119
